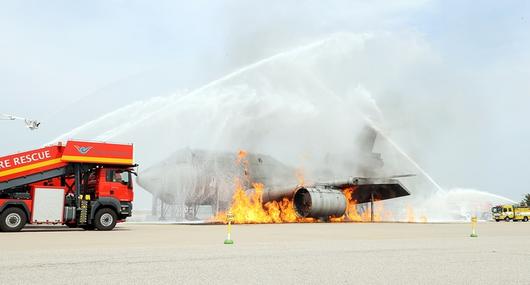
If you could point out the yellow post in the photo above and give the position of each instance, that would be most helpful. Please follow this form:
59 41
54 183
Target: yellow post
474 227
228 239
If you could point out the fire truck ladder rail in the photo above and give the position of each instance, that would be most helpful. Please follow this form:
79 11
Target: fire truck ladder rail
20 181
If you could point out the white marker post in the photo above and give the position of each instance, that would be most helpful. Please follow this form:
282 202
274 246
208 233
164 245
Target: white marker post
228 239
474 227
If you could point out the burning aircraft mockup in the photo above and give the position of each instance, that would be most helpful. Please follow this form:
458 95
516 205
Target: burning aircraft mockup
191 178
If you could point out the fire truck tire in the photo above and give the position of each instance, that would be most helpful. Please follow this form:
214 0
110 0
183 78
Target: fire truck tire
105 219
525 219
507 219
12 220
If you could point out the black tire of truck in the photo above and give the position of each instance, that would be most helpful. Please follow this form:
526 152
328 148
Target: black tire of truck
12 220
525 219
507 219
105 219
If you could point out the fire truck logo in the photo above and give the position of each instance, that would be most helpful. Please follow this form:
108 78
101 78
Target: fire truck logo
83 149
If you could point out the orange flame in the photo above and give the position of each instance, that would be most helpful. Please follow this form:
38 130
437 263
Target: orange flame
248 208
300 176
241 156
356 214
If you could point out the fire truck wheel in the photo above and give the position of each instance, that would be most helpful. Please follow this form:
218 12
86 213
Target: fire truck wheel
105 219
507 219
12 220
525 219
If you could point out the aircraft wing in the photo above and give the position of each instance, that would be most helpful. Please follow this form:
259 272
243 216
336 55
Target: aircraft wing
381 189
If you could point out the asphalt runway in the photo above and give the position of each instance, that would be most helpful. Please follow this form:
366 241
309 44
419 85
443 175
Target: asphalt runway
353 253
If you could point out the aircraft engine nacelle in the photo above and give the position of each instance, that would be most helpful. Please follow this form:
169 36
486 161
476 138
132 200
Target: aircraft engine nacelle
316 202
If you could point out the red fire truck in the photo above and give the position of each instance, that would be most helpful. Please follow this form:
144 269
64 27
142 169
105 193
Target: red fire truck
79 184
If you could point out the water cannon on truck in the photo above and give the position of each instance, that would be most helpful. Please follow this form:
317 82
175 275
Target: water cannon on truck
80 184
30 124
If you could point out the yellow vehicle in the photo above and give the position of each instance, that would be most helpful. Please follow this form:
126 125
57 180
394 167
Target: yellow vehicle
509 212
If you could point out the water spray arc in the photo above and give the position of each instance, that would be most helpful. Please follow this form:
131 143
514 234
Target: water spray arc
404 154
278 108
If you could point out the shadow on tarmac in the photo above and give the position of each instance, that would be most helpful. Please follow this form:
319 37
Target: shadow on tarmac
46 228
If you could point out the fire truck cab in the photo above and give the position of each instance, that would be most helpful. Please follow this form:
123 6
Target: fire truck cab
83 184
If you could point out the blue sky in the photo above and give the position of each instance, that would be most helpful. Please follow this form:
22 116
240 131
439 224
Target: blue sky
64 62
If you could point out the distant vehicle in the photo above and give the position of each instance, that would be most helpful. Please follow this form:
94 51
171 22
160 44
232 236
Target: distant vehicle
83 184
510 212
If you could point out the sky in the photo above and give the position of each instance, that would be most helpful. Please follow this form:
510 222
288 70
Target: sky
464 120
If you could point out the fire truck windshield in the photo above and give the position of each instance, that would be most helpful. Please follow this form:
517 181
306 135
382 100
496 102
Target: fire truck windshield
123 177
118 176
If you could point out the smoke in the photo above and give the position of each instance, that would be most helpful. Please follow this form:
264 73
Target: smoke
456 204
299 106
453 101
450 77
285 100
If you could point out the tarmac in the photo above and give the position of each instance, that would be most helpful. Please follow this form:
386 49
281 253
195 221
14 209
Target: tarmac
349 253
